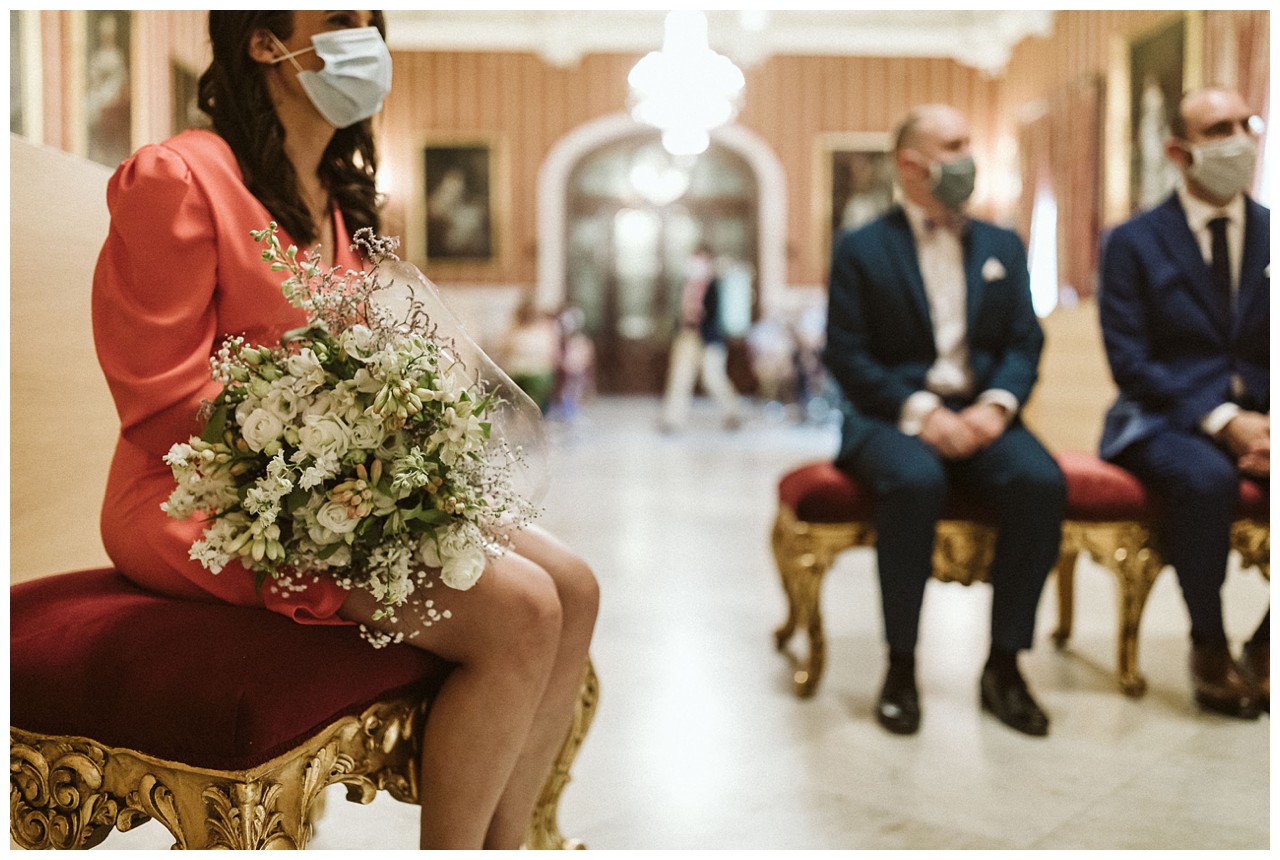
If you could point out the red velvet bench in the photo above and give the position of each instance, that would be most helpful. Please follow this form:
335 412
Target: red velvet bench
1110 516
223 723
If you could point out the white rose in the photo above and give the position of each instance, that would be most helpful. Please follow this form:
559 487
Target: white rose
323 403
367 432
261 430
462 558
429 553
341 557
335 518
463 567
324 435
283 401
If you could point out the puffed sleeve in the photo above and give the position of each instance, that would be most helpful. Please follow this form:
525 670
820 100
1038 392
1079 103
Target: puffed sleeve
154 317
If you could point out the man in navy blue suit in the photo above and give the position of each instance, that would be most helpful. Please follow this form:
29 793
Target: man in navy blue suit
1185 308
933 340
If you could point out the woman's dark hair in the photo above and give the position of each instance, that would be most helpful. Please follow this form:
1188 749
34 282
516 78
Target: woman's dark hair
233 92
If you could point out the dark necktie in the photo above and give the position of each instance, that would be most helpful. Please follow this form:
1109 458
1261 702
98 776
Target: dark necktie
1220 266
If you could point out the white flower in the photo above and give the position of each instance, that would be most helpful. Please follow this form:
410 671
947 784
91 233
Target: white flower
367 432
336 518
358 342
260 429
324 436
282 400
462 559
306 370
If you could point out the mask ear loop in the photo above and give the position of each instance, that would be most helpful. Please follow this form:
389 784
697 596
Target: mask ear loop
288 56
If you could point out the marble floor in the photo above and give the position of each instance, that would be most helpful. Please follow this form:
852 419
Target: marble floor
699 744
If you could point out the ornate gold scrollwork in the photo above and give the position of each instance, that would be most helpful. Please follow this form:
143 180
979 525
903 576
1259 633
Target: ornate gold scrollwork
544 828
246 816
70 792
1252 539
804 552
56 796
962 551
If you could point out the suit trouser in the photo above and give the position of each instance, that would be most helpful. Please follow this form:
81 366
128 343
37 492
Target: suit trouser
1199 487
691 357
1015 477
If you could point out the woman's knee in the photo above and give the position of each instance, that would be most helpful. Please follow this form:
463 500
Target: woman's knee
579 593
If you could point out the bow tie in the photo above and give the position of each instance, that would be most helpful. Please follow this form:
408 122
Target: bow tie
952 223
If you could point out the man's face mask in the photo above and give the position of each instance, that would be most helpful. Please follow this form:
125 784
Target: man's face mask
1224 167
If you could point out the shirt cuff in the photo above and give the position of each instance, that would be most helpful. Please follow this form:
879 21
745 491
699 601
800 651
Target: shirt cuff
915 409
1213 423
1003 398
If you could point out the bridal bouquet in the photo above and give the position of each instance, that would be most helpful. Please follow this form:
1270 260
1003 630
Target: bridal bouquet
362 447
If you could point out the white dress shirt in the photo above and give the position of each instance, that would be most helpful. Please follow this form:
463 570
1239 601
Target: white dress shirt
941 260
1199 214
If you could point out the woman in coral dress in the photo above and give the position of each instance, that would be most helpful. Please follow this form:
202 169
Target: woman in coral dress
290 94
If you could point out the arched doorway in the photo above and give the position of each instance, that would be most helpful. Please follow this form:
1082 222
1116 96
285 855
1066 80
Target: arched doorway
633 217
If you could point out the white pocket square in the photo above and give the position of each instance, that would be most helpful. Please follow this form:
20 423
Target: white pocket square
993 270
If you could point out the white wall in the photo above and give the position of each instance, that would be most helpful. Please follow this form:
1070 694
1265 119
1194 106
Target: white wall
62 422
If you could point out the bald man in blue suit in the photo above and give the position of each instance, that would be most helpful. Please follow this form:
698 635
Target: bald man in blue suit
1185 306
933 340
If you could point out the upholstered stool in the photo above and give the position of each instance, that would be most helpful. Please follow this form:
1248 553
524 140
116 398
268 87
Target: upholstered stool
1112 517
225 724
822 512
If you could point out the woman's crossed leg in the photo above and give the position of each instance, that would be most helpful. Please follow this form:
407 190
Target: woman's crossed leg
519 638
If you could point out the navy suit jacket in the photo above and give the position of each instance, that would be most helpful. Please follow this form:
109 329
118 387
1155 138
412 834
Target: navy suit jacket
880 340
1172 344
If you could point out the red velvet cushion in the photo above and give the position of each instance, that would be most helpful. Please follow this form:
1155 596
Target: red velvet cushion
1097 491
206 684
821 493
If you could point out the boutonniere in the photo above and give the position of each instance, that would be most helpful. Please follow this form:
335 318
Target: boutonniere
993 270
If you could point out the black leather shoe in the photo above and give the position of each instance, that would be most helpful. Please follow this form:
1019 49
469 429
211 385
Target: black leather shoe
1005 694
899 707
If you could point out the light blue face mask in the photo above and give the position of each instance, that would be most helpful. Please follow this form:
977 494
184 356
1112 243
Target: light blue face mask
356 76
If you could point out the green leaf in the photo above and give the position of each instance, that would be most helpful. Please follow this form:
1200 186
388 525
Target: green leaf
216 425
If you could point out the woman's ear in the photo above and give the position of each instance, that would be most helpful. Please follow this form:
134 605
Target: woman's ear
262 47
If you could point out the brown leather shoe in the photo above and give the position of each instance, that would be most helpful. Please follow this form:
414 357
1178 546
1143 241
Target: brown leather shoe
1218 683
1255 665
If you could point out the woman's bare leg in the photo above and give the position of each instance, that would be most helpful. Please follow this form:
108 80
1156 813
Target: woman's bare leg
579 597
505 635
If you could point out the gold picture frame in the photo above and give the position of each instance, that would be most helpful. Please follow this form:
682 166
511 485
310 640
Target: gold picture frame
104 91
456 216
26 79
1146 77
853 180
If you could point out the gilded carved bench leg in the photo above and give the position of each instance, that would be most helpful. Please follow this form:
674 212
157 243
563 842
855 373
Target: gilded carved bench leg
544 829
1252 539
804 552
1127 549
1065 574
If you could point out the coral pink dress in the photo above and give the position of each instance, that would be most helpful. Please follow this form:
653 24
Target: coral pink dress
178 273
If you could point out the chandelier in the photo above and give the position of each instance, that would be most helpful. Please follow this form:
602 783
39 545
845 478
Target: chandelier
686 89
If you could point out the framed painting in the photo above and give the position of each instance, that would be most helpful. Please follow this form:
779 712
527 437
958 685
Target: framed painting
25 57
853 179
459 219
1148 76
100 97
186 113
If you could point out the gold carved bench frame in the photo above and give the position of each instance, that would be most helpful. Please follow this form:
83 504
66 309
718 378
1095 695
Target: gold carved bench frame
962 552
69 792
